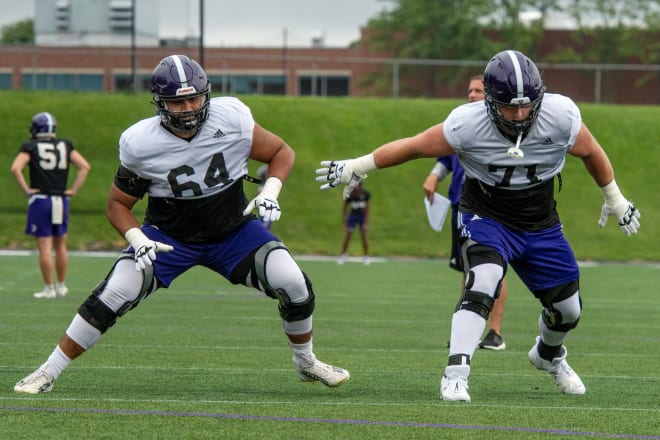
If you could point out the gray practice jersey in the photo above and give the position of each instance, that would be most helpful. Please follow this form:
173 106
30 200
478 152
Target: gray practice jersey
518 192
194 185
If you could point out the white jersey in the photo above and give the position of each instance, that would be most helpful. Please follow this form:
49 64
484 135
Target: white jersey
482 148
194 185
516 191
183 168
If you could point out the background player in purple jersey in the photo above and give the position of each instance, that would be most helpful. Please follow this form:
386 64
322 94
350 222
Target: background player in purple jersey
191 160
450 165
355 211
511 147
49 160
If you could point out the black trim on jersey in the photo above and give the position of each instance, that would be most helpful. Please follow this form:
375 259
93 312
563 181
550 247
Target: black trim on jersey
200 220
529 209
130 183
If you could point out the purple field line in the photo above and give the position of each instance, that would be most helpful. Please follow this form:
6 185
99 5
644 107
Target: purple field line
329 421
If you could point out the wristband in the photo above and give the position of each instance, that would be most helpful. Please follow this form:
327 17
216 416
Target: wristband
272 187
612 193
136 238
440 170
362 165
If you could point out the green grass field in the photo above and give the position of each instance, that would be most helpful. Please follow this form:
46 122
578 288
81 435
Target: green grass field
206 359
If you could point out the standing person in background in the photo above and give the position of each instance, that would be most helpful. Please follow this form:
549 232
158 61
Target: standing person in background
358 214
49 160
511 150
190 161
450 164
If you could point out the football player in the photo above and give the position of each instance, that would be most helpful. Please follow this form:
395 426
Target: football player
190 161
49 159
511 146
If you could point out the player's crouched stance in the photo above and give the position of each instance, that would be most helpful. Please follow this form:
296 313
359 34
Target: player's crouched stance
190 160
511 149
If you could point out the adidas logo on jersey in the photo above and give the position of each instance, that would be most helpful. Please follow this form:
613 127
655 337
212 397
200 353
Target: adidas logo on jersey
547 141
218 134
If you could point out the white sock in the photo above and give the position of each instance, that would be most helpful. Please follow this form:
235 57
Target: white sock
58 361
302 350
466 329
461 370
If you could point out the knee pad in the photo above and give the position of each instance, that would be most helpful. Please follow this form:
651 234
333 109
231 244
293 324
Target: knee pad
562 306
290 311
102 316
477 302
252 272
484 268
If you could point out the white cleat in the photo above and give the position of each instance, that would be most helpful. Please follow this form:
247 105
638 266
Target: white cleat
48 292
566 379
40 381
453 388
311 369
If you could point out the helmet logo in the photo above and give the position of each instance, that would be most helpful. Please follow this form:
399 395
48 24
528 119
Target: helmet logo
185 91
520 101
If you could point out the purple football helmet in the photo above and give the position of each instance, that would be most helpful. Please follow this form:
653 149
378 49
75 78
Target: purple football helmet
177 77
43 125
512 80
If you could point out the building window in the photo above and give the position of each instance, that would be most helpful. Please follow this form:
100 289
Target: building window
62 13
323 85
62 81
124 82
248 84
121 15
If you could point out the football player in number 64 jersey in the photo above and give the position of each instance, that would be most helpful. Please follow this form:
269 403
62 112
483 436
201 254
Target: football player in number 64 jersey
190 161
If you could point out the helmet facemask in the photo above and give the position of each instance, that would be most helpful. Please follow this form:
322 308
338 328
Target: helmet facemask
512 80
178 77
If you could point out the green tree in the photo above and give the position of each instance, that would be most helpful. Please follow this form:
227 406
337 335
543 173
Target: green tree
613 32
21 32
452 30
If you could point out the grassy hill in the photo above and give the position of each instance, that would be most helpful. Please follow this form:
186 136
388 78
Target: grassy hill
337 128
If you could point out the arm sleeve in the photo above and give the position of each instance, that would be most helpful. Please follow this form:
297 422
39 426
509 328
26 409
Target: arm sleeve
130 183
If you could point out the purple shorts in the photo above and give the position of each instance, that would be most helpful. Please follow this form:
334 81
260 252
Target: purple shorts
354 219
47 216
221 257
542 259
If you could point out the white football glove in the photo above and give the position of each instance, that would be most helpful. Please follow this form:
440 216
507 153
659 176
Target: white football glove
266 201
145 249
349 172
620 207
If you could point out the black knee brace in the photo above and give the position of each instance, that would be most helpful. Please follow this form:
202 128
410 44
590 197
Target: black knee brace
552 317
477 302
102 317
254 266
296 311
95 312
